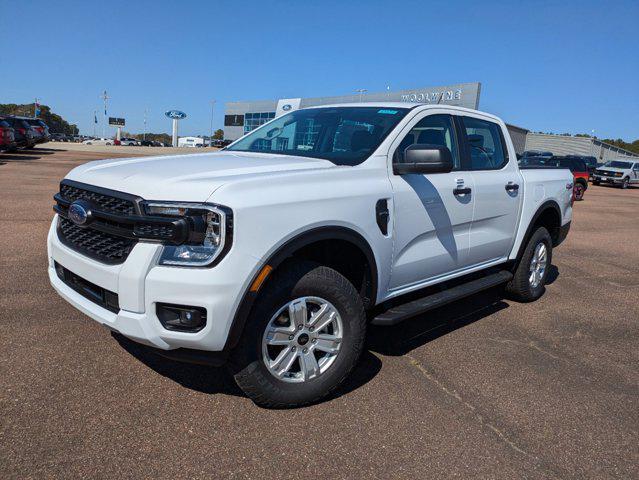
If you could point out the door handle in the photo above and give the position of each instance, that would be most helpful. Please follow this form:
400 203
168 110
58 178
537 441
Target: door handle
512 187
461 190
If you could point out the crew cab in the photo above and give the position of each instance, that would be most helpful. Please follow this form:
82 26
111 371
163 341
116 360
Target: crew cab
618 172
273 255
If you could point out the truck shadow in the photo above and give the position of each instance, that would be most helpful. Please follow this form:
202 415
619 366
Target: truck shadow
213 380
390 341
422 329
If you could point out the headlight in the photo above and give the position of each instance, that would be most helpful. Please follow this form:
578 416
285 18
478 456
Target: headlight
209 236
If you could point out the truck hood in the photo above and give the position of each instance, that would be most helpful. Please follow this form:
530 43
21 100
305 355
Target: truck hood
186 177
612 169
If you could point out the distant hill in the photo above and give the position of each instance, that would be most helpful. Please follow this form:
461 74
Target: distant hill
56 123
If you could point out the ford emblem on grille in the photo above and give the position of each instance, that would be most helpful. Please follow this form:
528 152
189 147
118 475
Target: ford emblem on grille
79 213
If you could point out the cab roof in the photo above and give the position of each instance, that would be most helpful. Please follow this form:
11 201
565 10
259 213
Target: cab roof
409 105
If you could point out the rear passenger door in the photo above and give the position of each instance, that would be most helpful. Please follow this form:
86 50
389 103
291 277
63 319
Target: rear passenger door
498 189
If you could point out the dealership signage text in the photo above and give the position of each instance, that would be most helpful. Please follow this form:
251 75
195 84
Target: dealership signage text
432 96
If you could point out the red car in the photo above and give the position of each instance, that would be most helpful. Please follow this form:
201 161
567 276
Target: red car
580 174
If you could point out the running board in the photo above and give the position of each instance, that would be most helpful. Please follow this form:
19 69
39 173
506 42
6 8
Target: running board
399 313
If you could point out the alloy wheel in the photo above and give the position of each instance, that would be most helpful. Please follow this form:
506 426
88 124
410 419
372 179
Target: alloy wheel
538 264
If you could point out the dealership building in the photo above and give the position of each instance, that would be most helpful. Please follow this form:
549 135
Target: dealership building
569 145
242 117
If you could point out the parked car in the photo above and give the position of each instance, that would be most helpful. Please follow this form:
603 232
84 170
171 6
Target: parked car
99 141
221 143
40 127
60 137
151 143
575 165
130 142
590 161
7 137
25 135
272 255
618 172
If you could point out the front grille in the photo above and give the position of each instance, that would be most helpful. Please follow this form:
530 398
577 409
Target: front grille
114 223
98 295
93 243
106 203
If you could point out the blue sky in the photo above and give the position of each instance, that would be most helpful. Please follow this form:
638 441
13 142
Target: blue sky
545 65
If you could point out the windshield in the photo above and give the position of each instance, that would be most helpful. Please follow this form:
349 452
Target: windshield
616 164
342 135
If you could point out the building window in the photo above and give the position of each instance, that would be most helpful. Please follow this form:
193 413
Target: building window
254 120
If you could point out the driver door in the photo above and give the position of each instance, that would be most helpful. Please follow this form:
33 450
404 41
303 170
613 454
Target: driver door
433 212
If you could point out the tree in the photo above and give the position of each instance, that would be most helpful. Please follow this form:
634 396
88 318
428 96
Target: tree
55 122
218 134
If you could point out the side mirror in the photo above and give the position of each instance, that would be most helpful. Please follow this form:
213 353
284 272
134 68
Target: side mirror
425 158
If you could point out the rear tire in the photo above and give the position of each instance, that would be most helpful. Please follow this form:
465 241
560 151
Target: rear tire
259 365
528 282
580 189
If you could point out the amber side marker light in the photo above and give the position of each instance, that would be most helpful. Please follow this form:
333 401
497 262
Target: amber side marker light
257 283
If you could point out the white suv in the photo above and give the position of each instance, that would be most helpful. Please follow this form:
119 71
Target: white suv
274 254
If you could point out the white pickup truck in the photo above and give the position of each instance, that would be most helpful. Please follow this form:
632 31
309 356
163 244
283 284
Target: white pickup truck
273 255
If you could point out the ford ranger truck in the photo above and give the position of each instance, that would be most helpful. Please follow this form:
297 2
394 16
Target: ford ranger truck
273 255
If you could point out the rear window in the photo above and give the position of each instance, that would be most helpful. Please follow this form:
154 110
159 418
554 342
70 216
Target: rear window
4 124
485 143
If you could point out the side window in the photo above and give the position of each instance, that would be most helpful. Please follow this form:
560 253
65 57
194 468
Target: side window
636 167
432 130
487 151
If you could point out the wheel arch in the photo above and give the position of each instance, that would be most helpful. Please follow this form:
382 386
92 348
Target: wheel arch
547 215
309 244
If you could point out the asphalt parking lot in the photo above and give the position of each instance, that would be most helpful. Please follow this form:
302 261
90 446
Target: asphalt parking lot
485 388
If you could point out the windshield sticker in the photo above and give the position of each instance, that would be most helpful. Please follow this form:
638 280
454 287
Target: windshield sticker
387 112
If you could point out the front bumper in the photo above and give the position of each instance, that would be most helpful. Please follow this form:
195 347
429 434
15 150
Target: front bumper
602 179
140 284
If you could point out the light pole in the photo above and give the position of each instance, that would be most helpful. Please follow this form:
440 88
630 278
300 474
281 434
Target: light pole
105 97
361 91
144 134
211 127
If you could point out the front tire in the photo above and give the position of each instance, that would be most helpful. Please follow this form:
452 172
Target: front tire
303 338
529 280
625 183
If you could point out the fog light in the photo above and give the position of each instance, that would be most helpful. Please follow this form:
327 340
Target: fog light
181 317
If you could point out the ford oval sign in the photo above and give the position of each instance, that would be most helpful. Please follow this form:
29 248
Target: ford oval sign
79 213
175 114
286 107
